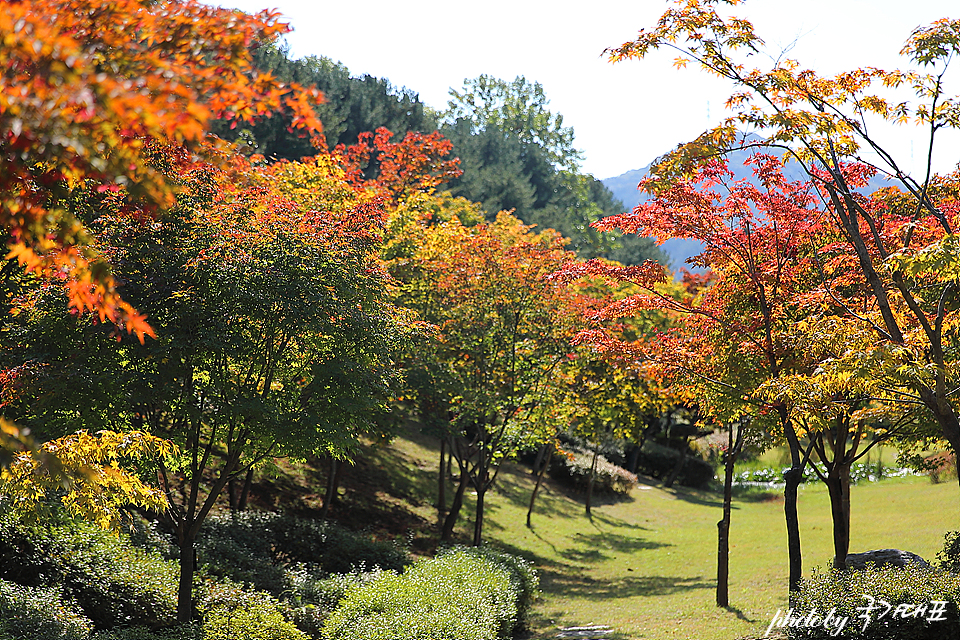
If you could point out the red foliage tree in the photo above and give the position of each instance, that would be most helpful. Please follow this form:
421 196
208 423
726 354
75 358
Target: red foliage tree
84 86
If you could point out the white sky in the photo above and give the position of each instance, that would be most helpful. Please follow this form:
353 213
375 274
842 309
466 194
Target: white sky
624 115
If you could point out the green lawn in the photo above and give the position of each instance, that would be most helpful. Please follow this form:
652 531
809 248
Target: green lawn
645 565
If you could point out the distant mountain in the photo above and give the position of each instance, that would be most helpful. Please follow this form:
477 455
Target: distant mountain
624 187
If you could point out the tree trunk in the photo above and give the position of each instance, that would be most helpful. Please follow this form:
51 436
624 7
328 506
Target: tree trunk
792 478
478 522
441 481
188 566
232 495
333 480
247 483
634 459
541 454
451 520
841 522
593 472
679 466
723 527
536 488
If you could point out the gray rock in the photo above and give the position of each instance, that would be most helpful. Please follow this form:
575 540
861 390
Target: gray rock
884 557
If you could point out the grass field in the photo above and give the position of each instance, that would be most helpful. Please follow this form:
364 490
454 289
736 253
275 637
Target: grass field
645 565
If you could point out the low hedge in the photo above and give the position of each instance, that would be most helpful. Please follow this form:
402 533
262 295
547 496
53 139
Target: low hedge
232 613
463 594
848 595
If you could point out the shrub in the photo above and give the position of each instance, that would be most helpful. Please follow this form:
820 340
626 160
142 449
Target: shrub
524 577
460 595
311 600
845 591
949 557
113 582
37 613
257 548
940 466
232 613
608 477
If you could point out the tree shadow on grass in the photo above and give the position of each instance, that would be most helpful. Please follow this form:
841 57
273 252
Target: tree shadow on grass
697 496
737 612
596 547
580 586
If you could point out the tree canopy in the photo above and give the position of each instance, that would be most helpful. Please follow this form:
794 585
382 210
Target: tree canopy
85 85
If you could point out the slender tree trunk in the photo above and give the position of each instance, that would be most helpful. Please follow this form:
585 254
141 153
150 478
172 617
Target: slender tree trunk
541 454
333 480
441 481
845 483
792 478
188 567
593 472
841 527
451 520
232 495
634 459
478 522
245 493
723 526
536 488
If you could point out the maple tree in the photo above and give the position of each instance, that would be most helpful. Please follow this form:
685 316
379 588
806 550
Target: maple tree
273 337
905 254
398 170
613 398
733 336
84 86
502 329
84 471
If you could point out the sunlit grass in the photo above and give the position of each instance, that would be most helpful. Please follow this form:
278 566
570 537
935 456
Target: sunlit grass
646 565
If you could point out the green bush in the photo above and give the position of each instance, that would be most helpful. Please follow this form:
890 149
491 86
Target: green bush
232 613
523 575
608 477
311 600
844 592
949 557
463 594
113 582
37 613
256 548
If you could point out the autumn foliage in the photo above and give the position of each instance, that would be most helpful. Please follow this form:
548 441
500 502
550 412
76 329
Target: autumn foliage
85 86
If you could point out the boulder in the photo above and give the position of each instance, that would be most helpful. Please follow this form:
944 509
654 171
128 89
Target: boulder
882 557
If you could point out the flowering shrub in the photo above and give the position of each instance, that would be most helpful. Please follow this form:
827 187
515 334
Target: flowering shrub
608 477
463 594
880 603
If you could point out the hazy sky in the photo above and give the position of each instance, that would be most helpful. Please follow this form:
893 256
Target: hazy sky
626 114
